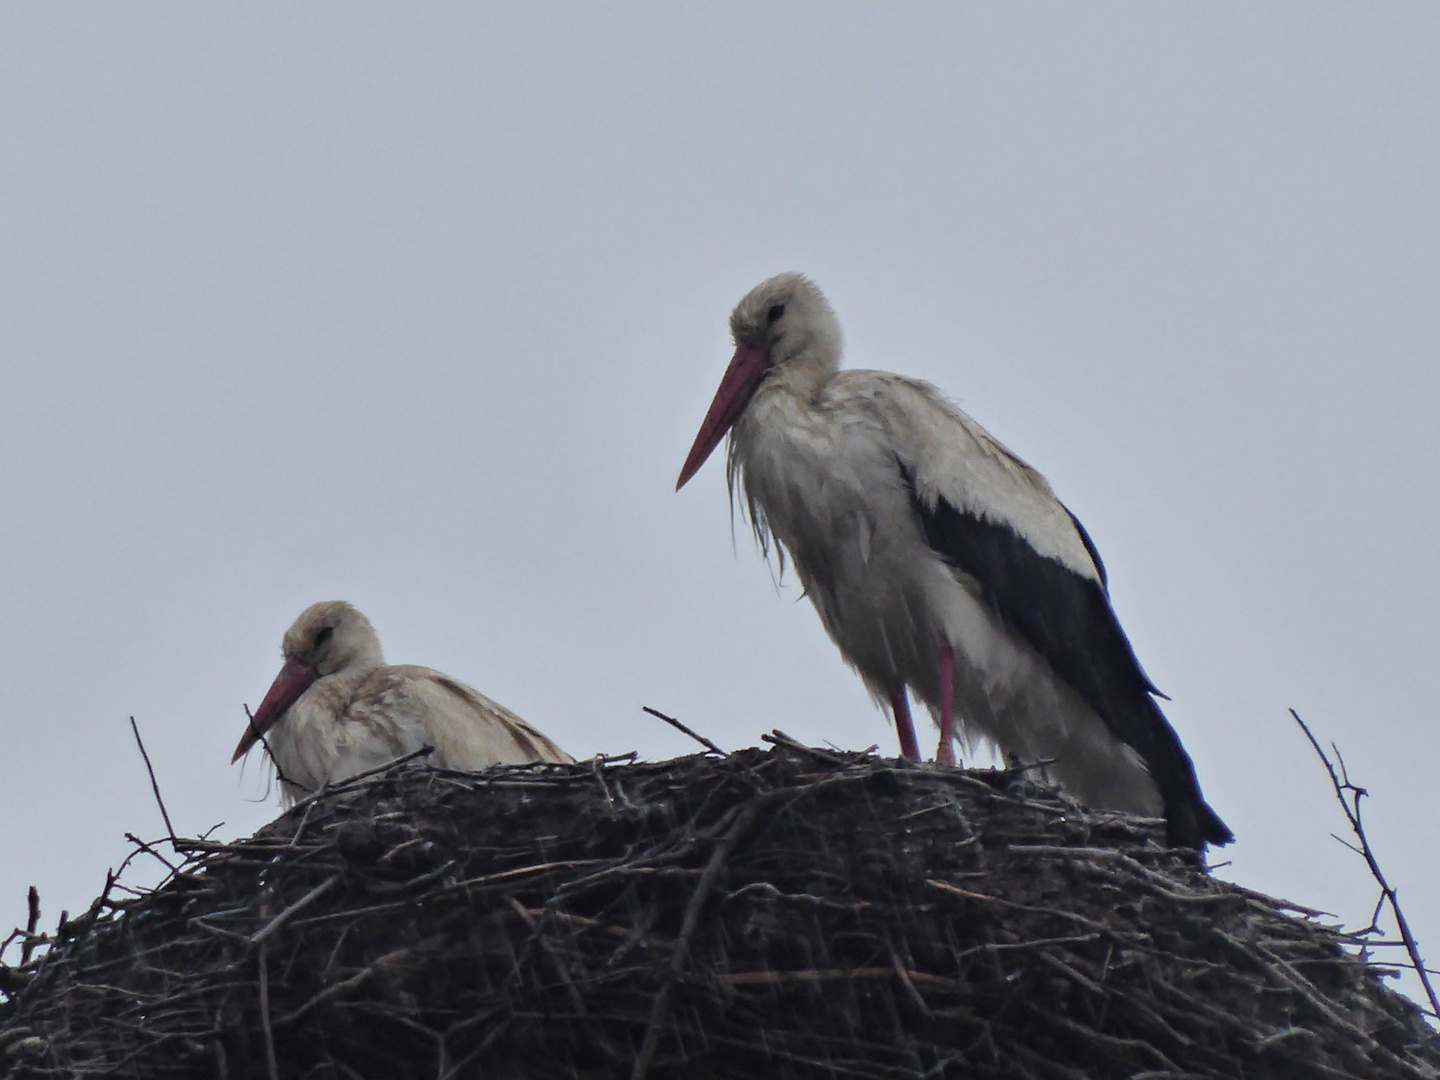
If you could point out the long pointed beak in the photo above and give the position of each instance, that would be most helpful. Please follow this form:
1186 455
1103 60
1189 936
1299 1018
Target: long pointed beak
741 377
294 679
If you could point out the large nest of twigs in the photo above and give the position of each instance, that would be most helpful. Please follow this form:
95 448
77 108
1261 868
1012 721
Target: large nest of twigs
784 913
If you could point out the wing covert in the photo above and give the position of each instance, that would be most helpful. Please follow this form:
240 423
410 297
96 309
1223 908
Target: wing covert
949 457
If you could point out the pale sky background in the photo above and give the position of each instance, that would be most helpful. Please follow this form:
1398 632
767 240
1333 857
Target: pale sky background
420 307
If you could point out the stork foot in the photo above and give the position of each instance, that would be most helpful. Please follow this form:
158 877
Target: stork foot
945 754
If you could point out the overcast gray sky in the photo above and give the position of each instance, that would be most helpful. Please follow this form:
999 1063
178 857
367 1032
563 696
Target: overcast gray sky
420 307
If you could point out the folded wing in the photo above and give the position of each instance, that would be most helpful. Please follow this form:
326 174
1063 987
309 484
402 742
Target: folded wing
467 729
995 519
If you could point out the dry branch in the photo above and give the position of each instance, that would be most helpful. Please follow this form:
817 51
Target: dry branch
1349 796
678 726
154 784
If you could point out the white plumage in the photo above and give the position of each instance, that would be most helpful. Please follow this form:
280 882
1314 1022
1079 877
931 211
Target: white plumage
940 562
337 709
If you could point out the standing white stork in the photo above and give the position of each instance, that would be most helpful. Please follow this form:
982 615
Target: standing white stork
337 709
940 562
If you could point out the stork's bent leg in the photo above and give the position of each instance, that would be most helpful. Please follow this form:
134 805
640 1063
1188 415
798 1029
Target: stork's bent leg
900 708
945 755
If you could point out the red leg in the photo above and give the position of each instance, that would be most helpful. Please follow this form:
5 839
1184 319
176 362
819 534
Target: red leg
945 755
900 707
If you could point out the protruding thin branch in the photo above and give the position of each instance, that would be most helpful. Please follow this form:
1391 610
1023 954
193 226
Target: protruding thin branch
149 849
678 726
250 719
1350 795
28 945
154 784
779 738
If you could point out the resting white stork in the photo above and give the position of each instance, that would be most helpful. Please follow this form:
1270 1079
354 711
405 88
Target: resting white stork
941 562
337 709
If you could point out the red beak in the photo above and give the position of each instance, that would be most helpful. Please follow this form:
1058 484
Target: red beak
741 377
294 679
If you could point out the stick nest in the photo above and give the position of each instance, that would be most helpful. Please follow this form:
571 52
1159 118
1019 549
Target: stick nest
783 913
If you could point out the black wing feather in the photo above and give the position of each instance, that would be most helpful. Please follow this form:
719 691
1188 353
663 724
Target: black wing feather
1094 554
1068 620
1089 547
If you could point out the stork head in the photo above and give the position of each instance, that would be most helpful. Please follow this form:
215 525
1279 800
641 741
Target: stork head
784 324
327 638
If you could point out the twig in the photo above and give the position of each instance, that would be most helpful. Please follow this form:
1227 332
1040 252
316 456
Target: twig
743 820
503 875
304 819
1099 1038
149 849
600 779
909 984
771 977
154 784
258 938
537 935
351 781
219 931
265 1018
678 726
1082 980
259 735
779 738
1016 767
343 987
28 945
1341 782
1284 905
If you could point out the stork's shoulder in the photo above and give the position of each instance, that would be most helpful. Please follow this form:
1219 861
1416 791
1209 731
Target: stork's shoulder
467 729
949 457
389 699
415 690
922 419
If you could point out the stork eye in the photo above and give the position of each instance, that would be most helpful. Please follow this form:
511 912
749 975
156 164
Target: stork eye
774 313
324 635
